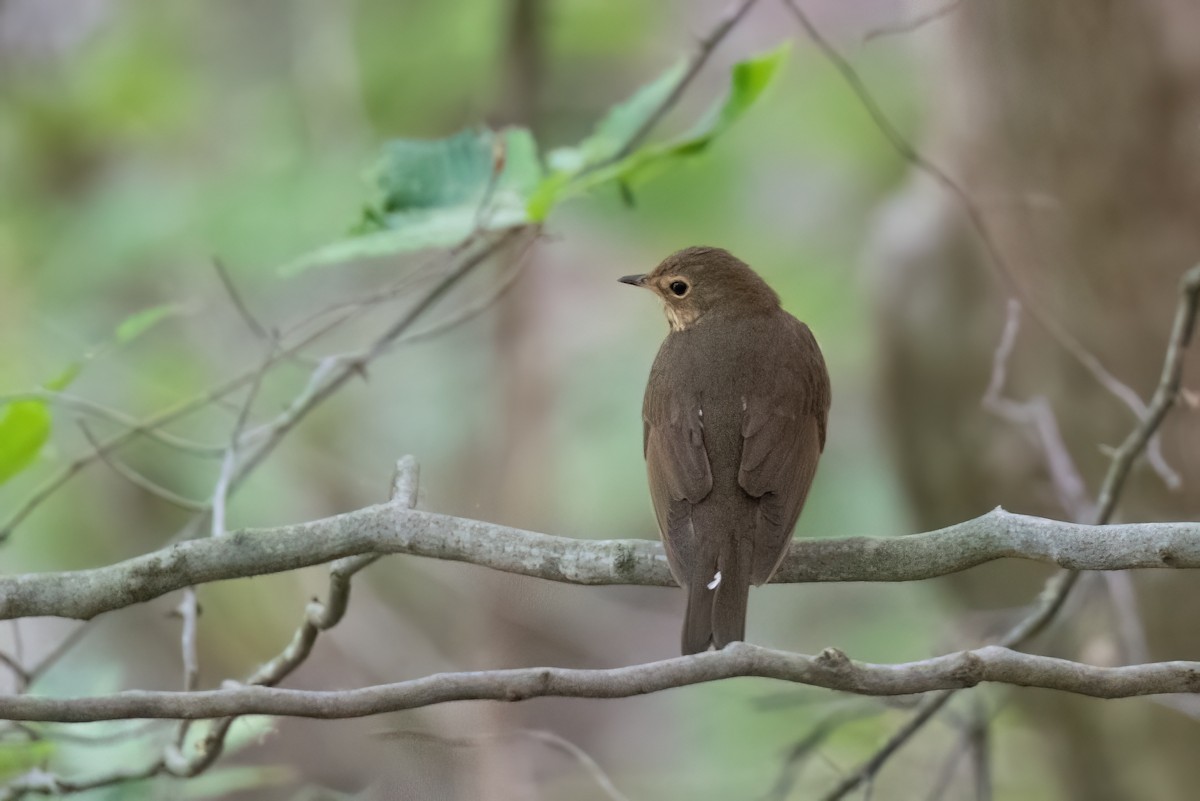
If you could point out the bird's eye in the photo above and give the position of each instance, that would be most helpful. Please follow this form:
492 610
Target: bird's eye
680 288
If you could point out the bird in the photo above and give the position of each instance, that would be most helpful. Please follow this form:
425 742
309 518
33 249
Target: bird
733 424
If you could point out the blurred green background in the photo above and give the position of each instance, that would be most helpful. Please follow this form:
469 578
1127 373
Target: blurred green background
139 141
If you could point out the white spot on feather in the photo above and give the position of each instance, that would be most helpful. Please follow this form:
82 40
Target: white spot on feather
743 403
716 582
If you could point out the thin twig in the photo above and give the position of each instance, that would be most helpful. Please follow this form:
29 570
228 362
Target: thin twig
102 412
830 669
189 611
19 673
154 423
704 49
1132 634
913 24
556 741
978 737
1057 589
807 745
473 310
867 771
229 463
348 369
57 653
318 617
949 768
137 479
978 223
239 304
1036 417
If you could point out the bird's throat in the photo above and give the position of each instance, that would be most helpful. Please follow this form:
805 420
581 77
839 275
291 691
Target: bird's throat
679 319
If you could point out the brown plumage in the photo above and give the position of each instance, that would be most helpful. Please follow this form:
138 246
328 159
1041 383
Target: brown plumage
733 424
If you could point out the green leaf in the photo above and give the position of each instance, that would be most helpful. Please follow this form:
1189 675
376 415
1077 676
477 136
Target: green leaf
17 758
748 80
66 376
624 120
24 429
139 323
433 193
129 329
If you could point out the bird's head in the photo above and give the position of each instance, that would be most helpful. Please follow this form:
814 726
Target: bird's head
700 280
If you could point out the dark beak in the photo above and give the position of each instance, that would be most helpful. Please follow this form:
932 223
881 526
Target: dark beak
633 280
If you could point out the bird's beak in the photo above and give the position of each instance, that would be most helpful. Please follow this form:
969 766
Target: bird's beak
633 280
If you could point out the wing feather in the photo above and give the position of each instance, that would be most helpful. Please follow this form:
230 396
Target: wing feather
677 463
783 432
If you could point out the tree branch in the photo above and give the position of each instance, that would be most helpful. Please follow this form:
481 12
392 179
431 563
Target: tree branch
393 528
830 669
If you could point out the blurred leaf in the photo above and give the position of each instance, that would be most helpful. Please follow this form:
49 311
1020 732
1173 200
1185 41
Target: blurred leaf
583 169
625 119
433 193
137 324
748 80
17 758
129 329
67 375
24 429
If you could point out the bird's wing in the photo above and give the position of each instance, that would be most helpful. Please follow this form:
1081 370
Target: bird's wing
783 434
677 464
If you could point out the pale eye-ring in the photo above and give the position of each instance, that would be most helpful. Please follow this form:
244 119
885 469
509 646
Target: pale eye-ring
679 288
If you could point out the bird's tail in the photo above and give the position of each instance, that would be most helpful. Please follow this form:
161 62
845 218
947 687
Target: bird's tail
717 597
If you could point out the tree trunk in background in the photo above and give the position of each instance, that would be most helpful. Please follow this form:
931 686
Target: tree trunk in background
511 475
1075 126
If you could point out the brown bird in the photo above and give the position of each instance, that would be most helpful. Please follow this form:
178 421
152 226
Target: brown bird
733 424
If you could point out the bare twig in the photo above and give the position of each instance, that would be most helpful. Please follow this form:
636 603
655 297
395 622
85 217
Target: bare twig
318 617
349 368
152 425
102 412
472 310
977 735
137 479
810 742
949 768
555 741
189 611
229 462
868 770
1058 588
57 653
239 304
831 669
1037 418
907 151
1131 632
915 23
15 667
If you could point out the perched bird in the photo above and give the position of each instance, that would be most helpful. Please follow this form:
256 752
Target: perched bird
733 425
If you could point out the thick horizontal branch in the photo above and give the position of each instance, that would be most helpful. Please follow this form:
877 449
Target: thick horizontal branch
392 528
831 669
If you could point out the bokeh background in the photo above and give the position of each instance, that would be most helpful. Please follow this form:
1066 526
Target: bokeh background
139 141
